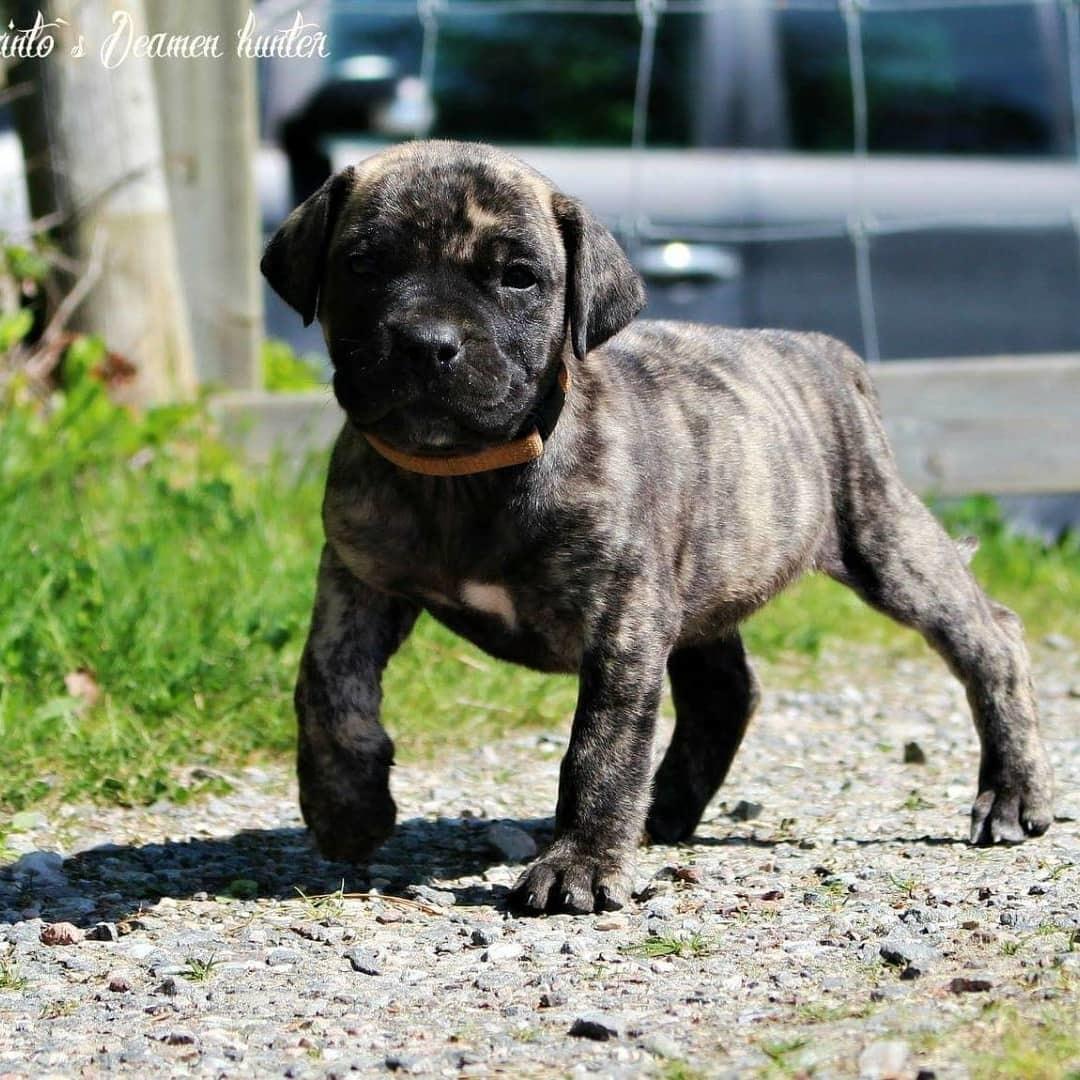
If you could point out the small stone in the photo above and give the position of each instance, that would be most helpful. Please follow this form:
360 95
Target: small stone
963 984
61 933
914 957
283 955
427 895
46 867
662 1046
363 961
483 937
885 1059
611 922
513 844
1057 641
169 987
178 1037
913 754
502 950
118 984
552 1000
746 811
598 1026
689 874
103 931
325 935
401 1062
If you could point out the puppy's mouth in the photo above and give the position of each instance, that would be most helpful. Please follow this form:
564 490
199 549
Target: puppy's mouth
428 431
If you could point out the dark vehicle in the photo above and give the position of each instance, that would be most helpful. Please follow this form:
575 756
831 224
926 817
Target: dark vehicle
734 173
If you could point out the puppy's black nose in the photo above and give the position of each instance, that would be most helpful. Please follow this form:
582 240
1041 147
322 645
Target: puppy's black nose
430 341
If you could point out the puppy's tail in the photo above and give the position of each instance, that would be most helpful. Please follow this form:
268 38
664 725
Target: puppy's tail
966 546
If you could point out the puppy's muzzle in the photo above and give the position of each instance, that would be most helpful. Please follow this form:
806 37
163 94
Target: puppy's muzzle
429 346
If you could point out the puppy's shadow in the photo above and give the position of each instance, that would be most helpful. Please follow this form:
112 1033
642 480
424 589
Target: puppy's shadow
112 881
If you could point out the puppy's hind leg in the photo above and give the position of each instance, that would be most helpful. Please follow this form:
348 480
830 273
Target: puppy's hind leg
715 693
898 558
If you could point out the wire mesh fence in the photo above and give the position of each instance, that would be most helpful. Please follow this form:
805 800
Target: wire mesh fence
860 224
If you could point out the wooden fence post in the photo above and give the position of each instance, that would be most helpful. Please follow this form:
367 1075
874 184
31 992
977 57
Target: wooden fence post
95 167
209 129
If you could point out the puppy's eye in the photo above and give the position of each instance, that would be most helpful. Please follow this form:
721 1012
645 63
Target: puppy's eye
518 276
357 264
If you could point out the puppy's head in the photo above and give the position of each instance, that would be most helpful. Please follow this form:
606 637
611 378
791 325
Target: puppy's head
447 278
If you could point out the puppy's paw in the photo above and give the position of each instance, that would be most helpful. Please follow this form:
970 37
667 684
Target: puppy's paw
348 826
673 817
568 880
1008 812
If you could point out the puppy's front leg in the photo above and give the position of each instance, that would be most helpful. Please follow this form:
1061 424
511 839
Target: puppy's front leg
604 781
344 754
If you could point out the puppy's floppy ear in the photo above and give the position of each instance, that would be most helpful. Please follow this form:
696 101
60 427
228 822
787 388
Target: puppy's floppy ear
603 291
294 259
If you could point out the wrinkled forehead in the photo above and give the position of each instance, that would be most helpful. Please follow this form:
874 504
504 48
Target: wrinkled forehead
449 207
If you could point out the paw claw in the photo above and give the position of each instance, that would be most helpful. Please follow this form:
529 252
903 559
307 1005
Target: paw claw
567 882
999 817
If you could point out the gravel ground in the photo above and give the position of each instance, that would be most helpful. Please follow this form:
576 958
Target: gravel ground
827 918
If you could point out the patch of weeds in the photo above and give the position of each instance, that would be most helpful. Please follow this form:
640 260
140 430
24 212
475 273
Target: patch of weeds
1058 870
778 1051
284 371
1046 1046
908 886
659 946
679 1070
822 1012
53 1010
10 979
1011 946
915 801
200 969
325 906
243 889
526 1034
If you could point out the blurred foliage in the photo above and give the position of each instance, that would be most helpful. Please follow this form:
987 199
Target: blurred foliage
283 371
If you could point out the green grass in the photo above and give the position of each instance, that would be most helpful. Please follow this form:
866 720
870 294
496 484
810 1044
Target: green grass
10 979
139 551
1046 1046
200 969
660 946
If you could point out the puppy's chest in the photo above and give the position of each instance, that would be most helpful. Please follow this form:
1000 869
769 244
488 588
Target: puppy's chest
499 588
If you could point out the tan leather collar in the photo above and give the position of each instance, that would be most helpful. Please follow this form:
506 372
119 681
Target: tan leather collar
527 448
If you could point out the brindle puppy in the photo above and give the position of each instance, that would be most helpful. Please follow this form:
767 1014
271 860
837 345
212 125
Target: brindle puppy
691 474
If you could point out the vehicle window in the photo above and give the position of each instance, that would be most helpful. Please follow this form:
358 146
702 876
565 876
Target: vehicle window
399 39
716 81
814 71
990 81
536 78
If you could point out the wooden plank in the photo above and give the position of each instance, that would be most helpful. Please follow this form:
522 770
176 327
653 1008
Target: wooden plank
1004 425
